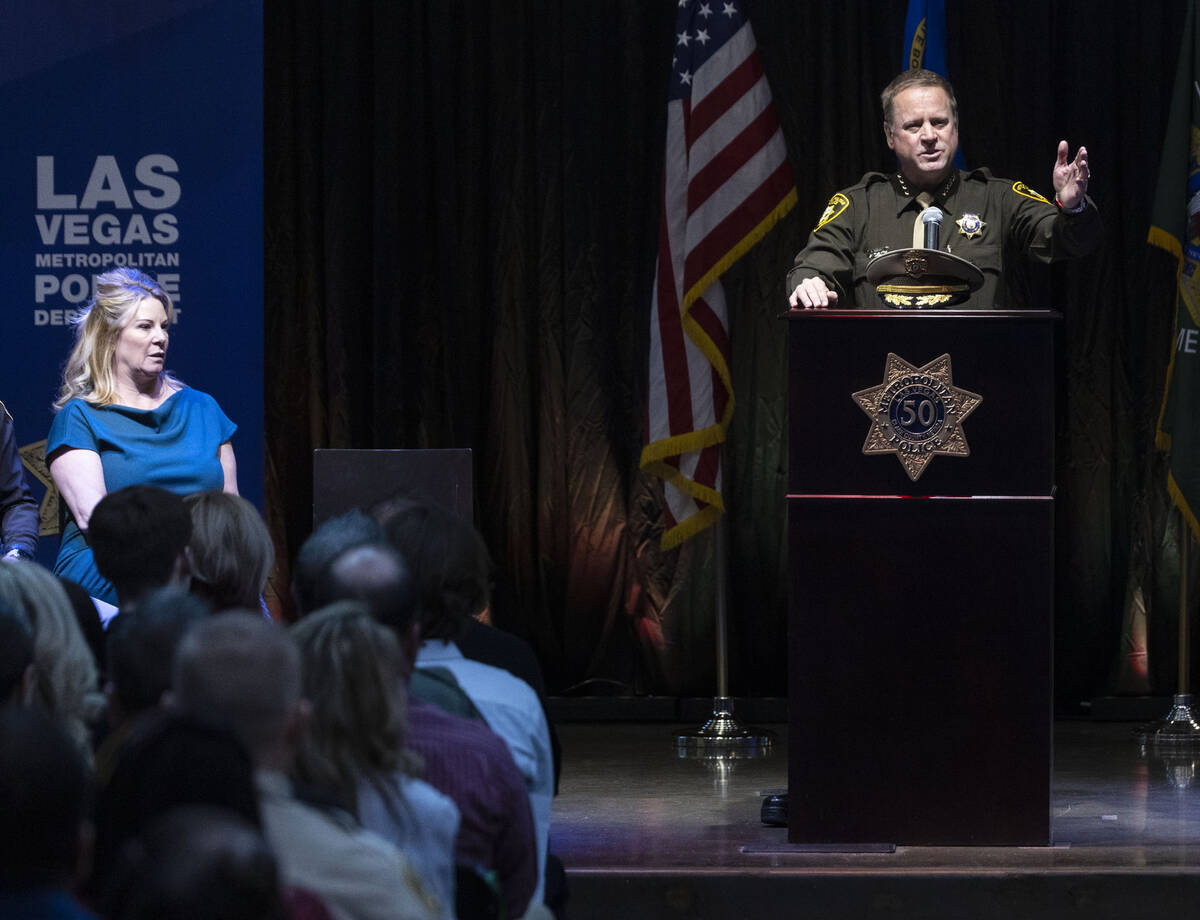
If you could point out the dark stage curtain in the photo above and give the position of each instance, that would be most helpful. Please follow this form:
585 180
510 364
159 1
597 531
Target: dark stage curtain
461 214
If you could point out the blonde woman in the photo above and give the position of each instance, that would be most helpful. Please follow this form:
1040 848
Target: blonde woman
123 420
352 671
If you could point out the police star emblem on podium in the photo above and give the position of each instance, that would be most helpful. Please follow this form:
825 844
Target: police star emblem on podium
917 413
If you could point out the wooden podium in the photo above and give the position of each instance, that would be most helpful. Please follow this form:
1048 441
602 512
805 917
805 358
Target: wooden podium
920 631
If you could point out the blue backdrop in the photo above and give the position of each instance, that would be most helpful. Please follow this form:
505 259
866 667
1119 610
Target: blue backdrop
133 135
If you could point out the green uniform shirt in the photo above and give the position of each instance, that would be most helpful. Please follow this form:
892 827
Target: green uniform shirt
993 223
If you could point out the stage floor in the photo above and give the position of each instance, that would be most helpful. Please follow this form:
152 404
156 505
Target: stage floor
644 833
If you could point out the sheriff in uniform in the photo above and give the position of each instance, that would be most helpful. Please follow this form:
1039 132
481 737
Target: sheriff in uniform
990 222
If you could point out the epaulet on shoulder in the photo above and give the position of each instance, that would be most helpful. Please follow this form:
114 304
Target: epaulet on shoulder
872 178
4 413
982 174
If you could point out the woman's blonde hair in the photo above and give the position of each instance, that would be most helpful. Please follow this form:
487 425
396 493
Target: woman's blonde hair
89 370
66 672
352 672
230 553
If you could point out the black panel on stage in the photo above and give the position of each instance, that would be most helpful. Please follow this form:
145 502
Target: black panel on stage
346 479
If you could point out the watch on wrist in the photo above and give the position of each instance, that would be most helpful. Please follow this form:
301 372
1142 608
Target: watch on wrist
1075 210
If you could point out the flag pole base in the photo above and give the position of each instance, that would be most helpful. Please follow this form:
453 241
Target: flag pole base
1178 730
724 736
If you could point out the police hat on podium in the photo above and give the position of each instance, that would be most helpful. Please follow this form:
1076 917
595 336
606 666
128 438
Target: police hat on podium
923 279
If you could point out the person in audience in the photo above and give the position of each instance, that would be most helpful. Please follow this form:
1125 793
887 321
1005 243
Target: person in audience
18 674
463 757
448 563
141 650
66 683
197 861
141 653
352 671
478 640
44 821
377 575
138 536
246 671
327 541
172 757
231 553
131 786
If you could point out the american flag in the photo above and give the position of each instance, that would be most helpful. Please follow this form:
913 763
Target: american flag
726 180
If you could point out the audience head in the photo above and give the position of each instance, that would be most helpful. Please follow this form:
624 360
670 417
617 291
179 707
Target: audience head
197 861
245 671
353 672
230 553
45 801
172 758
328 541
141 650
89 370
376 575
448 560
18 674
138 535
66 683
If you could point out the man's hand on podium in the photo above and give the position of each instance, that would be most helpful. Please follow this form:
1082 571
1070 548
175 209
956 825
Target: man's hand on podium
813 294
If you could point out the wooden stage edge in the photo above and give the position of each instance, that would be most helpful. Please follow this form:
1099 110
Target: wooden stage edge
646 833
686 709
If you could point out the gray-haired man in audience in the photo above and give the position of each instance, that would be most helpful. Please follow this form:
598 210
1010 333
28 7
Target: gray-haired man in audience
245 671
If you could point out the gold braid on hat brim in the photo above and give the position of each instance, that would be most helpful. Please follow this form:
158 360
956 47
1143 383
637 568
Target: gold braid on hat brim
923 288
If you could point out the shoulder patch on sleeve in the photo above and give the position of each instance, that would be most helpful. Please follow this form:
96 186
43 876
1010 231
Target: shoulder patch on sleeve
837 204
1022 189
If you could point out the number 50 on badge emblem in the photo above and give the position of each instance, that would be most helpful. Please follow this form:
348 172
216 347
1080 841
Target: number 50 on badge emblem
917 413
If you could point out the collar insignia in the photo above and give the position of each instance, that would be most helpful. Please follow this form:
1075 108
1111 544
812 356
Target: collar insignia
970 225
940 195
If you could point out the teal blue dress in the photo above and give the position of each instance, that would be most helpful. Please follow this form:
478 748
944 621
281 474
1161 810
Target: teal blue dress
175 447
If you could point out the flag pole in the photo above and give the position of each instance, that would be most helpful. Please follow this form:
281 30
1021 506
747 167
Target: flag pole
1179 729
1185 538
722 735
1176 430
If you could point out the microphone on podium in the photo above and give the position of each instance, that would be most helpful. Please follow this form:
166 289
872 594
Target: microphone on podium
932 218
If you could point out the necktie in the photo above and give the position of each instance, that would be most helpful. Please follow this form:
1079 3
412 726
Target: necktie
924 200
